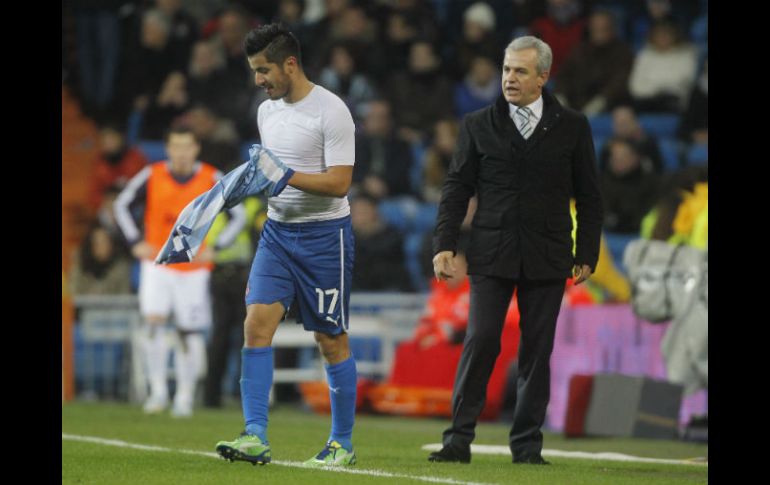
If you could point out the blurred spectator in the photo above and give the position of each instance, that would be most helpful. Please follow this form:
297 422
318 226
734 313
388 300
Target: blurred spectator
594 77
379 250
694 126
207 78
437 158
340 77
98 52
420 96
217 137
290 13
115 165
321 31
149 64
663 71
398 34
184 27
625 125
478 39
232 25
99 267
383 162
628 192
561 28
170 103
105 217
359 33
480 88
654 11
658 223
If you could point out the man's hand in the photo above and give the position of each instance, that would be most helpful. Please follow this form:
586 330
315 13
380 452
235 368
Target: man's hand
443 265
581 273
144 250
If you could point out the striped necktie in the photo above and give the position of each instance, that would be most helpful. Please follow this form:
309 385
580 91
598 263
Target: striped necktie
523 115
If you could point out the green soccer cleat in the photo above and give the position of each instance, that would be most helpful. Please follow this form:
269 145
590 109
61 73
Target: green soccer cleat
332 455
247 447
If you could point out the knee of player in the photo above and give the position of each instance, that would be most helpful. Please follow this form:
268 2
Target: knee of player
261 323
334 348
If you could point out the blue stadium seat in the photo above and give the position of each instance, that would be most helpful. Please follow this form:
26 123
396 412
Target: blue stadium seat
599 142
617 245
659 125
601 125
412 249
425 218
154 150
415 171
669 151
392 212
698 154
133 127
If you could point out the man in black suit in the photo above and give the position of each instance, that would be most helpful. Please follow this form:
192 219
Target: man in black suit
524 157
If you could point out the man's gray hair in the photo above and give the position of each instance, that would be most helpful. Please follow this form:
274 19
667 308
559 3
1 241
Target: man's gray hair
544 54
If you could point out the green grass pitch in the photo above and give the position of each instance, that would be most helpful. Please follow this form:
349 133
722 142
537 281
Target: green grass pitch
388 449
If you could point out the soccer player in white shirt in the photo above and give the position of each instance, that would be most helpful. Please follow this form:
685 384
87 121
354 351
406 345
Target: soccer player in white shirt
305 253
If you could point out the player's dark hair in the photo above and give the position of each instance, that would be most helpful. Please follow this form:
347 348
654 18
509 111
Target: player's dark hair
277 42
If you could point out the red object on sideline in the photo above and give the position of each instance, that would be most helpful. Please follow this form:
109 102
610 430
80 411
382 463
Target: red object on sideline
578 399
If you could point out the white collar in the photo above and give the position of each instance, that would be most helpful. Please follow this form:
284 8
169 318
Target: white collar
536 107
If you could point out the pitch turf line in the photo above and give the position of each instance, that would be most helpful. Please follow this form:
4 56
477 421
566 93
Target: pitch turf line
504 450
294 464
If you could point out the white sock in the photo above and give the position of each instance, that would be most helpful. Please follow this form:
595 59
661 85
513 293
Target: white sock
188 363
156 359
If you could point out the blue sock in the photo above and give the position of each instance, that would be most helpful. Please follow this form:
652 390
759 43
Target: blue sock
256 381
342 391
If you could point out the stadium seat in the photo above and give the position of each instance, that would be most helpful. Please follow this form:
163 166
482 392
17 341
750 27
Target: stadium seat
393 213
660 125
617 245
412 247
154 150
698 154
133 127
601 125
599 142
425 218
669 151
415 171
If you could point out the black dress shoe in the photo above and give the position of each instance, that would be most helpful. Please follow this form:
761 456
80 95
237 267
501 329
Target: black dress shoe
531 459
450 454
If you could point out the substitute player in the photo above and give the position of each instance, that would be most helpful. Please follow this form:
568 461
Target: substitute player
164 189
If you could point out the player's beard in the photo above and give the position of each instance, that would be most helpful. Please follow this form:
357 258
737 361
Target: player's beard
280 89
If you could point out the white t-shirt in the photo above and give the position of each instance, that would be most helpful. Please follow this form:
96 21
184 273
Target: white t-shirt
310 135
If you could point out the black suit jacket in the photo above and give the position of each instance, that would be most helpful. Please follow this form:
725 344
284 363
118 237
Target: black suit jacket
523 225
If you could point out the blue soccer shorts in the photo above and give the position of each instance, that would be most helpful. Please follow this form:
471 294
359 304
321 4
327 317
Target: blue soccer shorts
310 262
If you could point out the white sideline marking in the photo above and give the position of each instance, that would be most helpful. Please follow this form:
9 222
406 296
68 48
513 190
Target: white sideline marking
605 455
295 464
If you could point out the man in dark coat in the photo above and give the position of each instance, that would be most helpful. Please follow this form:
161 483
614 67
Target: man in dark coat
524 158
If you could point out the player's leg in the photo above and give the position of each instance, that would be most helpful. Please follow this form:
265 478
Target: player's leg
269 293
341 375
192 309
323 266
155 308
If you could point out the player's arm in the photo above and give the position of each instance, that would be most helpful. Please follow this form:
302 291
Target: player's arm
335 182
134 192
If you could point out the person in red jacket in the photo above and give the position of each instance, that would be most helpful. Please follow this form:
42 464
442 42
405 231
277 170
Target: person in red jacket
116 164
